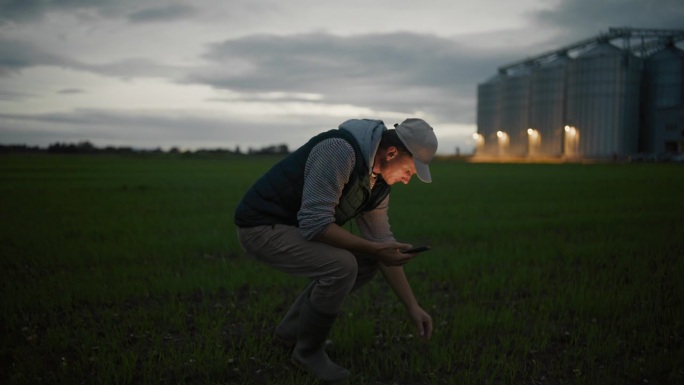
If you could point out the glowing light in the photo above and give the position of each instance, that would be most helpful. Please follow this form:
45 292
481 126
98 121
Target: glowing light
533 142
502 143
571 141
476 136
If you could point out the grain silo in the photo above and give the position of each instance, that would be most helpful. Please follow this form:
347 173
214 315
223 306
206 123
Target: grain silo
603 101
489 114
515 93
547 107
606 97
664 101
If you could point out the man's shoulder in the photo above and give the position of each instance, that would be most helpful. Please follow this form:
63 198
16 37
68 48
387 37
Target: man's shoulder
335 144
333 152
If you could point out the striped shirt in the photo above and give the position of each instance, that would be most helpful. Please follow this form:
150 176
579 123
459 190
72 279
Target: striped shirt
326 172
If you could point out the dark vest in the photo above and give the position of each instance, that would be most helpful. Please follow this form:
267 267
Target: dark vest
275 198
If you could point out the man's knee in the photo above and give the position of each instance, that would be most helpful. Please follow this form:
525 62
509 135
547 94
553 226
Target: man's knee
333 287
345 267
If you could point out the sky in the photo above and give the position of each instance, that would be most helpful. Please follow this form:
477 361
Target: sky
251 73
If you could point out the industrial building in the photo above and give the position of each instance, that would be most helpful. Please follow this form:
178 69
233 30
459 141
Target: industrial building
614 96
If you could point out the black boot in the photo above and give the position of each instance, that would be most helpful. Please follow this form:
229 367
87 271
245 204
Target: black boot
287 328
314 327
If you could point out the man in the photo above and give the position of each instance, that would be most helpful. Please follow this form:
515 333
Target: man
292 218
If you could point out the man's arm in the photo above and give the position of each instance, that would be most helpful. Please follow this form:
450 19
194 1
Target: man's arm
396 278
387 252
326 172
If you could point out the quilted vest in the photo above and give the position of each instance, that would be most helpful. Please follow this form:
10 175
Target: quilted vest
275 198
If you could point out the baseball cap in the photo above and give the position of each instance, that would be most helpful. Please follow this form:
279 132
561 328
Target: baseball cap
419 138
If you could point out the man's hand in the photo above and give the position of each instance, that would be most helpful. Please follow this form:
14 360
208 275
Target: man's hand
389 254
423 322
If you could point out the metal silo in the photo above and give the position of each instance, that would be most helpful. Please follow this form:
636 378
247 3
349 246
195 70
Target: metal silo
547 107
603 101
515 92
489 113
663 101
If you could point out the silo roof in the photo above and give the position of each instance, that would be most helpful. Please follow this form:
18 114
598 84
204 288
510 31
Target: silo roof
602 49
558 61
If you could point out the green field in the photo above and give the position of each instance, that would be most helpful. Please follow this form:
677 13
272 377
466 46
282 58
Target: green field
126 270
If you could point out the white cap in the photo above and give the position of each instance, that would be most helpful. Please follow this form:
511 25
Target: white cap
419 138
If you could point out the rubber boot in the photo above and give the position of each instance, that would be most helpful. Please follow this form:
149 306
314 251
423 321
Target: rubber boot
314 327
286 331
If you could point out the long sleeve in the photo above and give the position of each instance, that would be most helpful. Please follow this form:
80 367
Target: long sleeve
326 172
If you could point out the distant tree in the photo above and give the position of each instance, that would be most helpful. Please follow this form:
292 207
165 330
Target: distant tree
85 147
18 148
270 150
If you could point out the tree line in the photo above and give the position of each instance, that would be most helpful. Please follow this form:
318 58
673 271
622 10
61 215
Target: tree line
86 147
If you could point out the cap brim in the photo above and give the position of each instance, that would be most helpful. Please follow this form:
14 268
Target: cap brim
422 170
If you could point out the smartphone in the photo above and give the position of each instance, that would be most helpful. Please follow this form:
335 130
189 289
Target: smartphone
418 249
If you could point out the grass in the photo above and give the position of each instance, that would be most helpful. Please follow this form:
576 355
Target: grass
126 270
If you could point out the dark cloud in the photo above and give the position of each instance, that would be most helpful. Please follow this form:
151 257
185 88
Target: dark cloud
19 11
587 18
159 14
400 71
136 11
139 11
17 55
68 91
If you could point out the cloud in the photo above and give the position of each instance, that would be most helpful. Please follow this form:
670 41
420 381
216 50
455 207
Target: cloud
19 11
68 91
404 73
586 18
17 55
134 68
22 11
170 12
140 11
397 71
6 95
157 128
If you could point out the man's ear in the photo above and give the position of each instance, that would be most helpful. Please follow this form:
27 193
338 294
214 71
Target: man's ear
391 152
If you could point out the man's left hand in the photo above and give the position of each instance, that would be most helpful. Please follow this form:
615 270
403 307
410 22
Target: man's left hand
423 322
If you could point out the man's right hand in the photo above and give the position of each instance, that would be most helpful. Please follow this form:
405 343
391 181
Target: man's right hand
389 255
387 252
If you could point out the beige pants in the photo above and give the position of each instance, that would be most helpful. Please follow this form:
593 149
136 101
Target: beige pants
336 272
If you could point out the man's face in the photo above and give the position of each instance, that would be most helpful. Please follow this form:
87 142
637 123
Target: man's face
396 166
